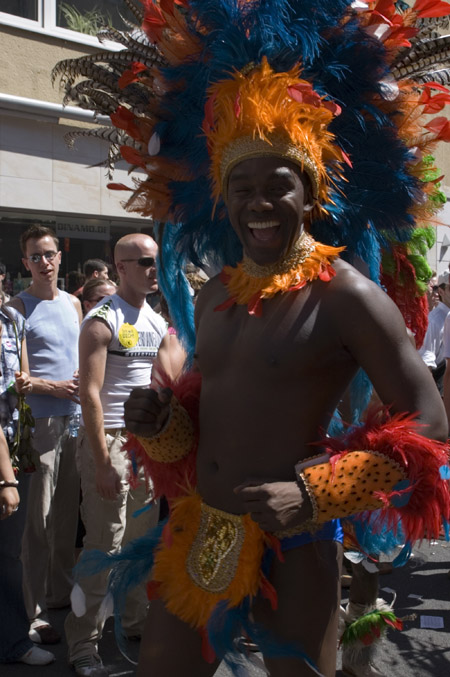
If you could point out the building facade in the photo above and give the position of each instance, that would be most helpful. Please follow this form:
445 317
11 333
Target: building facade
42 179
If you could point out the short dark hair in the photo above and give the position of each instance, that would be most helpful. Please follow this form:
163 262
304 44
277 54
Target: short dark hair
2 269
35 232
93 265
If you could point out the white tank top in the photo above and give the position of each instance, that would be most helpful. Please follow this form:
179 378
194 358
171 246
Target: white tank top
136 335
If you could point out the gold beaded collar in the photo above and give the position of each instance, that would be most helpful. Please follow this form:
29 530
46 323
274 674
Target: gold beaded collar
303 248
249 283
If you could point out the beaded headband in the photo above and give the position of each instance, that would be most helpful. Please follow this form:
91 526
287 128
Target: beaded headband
246 148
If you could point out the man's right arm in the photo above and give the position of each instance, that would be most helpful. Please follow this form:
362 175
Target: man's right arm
42 386
94 340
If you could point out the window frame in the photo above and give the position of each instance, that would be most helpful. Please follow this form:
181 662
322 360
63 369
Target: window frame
46 25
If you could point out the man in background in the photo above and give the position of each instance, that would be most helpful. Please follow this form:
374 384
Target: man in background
94 269
119 342
432 350
52 325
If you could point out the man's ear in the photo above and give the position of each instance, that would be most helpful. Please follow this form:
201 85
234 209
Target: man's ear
308 199
26 264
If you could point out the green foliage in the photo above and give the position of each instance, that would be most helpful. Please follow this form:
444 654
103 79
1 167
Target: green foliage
88 23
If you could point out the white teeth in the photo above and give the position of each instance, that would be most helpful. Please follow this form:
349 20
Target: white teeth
260 225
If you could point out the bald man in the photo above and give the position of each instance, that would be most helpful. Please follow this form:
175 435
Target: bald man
119 341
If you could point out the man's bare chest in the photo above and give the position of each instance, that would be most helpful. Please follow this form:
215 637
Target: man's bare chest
292 338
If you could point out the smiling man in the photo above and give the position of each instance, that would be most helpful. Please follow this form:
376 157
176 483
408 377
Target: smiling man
279 339
270 126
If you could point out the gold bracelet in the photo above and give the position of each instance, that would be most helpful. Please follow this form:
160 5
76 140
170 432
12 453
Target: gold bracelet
176 438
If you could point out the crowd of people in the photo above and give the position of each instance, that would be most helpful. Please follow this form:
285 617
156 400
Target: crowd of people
59 355
47 358
284 148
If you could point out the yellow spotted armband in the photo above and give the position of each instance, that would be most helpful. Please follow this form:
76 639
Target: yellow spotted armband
175 440
348 484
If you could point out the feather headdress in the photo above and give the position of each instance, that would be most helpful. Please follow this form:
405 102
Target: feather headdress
197 76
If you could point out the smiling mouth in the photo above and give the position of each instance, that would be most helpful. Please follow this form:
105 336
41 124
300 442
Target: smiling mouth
264 231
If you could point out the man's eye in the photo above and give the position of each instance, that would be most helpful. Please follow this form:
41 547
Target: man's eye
278 190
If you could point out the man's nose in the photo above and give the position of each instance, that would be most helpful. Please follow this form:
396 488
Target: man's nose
259 202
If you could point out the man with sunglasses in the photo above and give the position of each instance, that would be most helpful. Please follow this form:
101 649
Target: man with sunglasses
52 324
119 342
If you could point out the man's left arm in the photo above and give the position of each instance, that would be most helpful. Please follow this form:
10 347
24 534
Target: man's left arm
77 305
373 331
403 466
171 358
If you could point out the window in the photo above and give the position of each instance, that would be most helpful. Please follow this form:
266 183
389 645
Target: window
85 16
58 17
27 9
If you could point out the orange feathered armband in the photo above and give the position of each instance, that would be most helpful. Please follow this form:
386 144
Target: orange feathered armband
172 478
384 464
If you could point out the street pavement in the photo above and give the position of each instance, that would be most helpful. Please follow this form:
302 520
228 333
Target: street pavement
422 588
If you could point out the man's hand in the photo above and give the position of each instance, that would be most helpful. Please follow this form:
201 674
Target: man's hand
23 385
146 411
274 505
107 482
9 502
67 390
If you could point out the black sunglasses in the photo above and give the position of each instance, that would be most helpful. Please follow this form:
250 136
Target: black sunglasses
144 261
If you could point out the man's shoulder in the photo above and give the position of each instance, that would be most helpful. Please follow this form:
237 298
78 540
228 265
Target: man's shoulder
351 297
102 310
349 282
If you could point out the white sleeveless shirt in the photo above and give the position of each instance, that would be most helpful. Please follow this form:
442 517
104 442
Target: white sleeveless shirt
136 336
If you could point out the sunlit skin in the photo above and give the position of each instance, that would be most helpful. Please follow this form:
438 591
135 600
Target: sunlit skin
269 387
433 293
100 274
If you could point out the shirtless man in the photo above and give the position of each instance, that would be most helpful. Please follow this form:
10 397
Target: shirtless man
269 387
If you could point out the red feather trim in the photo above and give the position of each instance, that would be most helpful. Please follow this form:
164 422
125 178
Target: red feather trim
225 305
152 590
171 479
269 592
398 438
402 288
254 306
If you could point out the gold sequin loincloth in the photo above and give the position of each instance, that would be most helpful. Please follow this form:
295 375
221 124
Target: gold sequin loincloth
214 555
